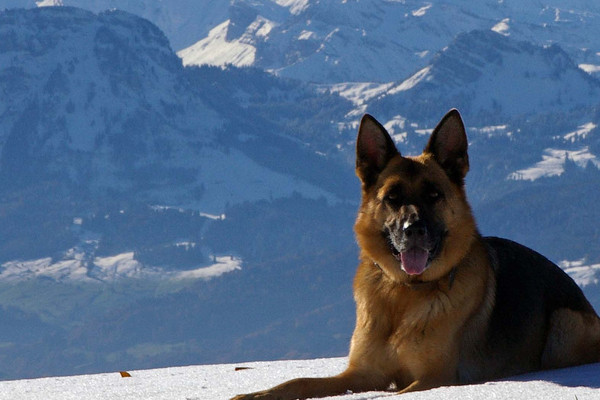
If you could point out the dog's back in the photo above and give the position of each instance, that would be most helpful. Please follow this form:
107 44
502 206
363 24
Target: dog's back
540 318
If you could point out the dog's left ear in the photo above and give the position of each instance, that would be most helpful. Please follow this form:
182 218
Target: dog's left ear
374 149
448 145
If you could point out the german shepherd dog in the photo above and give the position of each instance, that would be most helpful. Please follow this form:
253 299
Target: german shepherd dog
436 303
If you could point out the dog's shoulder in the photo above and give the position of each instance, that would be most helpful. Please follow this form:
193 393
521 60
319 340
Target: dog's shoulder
526 280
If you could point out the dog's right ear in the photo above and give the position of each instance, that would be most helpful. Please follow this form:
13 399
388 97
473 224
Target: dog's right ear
374 149
448 145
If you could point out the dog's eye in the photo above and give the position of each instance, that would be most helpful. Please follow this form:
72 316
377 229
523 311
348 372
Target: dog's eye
431 193
434 195
392 198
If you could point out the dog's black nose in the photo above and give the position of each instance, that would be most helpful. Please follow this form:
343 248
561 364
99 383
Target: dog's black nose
415 229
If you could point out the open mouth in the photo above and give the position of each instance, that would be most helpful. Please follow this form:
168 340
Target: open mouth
414 260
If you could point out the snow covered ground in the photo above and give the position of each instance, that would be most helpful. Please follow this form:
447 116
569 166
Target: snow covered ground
214 382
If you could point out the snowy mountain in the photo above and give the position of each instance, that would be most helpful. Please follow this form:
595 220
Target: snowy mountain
339 41
110 107
491 78
325 41
120 168
100 108
226 380
81 116
183 20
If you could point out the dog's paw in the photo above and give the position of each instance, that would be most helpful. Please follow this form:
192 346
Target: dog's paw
265 395
242 397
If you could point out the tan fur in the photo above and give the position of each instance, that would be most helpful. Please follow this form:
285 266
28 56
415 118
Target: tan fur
416 332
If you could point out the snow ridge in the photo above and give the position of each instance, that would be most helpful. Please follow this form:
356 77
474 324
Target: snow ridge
553 163
75 268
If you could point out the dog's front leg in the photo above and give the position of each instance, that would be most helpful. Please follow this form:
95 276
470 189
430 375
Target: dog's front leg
303 388
429 383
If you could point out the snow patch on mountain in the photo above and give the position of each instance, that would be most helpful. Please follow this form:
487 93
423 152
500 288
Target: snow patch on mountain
421 11
357 92
581 133
423 74
217 50
75 268
553 163
491 131
396 123
233 178
502 27
49 3
591 69
295 6
582 273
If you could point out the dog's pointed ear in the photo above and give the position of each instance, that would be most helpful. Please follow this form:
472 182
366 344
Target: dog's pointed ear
448 145
374 149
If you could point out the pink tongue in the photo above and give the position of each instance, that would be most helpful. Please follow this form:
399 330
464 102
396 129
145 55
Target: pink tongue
414 261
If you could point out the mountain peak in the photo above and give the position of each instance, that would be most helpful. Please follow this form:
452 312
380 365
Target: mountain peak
491 75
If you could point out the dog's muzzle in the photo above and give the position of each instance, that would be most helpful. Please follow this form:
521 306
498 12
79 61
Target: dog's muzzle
409 242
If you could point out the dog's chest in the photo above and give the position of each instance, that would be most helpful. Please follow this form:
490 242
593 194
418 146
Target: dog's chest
401 315
405 332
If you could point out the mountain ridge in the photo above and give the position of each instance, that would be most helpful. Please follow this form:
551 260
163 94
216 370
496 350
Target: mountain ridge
492 78
320 42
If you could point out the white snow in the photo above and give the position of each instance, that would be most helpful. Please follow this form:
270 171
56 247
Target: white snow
491 131
412 81
502 27
213 216
49 3
262 27
590 68
306 35
553 162
16 270
581 133
216 50
222 266
118 265
295 6
584 275
422 11
220 382
358 92
221 175
396 128
108 269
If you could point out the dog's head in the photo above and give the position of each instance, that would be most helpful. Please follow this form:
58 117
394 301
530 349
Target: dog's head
414 221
